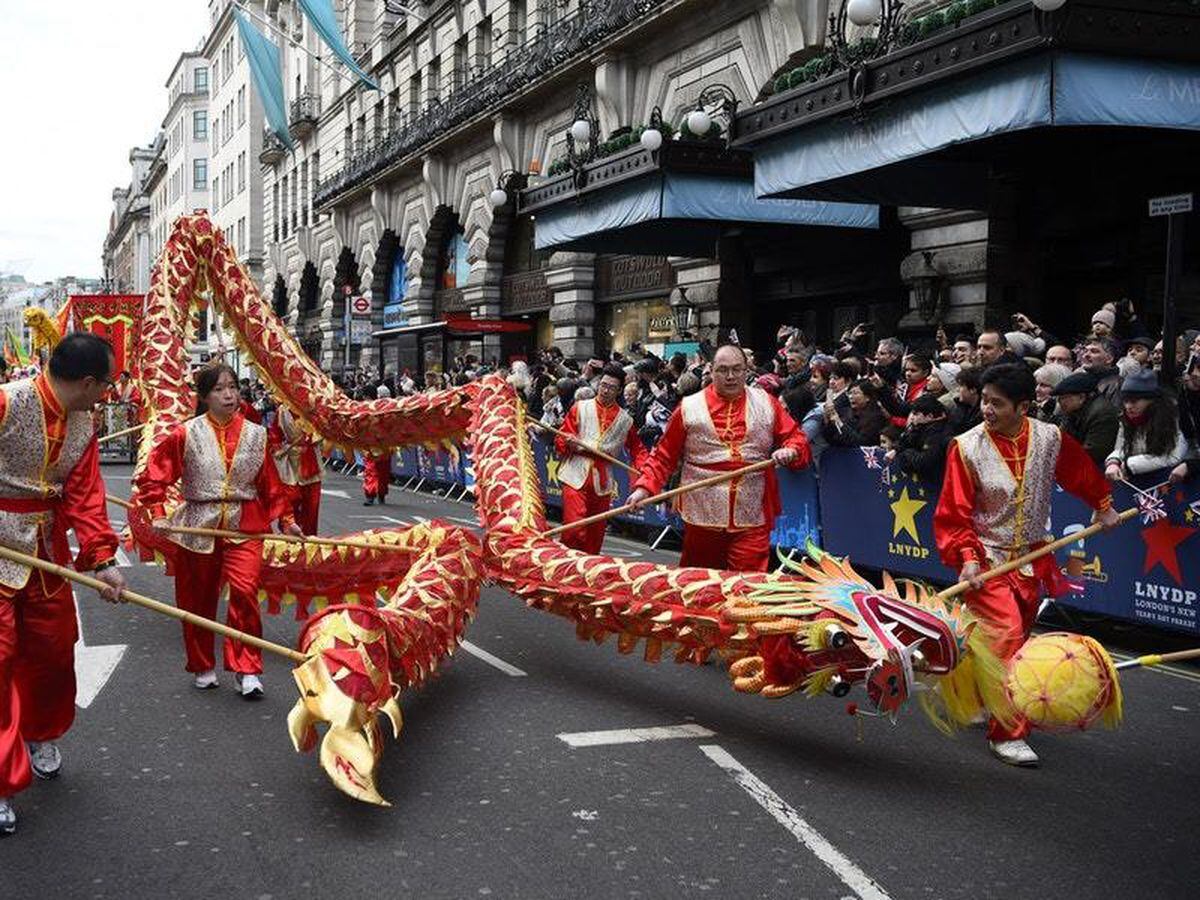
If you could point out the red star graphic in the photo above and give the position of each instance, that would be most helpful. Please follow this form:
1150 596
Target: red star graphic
1162 540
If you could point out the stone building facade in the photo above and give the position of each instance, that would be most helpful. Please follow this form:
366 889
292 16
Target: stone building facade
386 196
127 247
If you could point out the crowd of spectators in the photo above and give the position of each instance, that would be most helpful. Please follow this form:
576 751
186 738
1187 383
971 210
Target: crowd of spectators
1104 387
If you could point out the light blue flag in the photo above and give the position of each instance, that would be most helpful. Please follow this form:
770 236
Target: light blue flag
320 14
266 68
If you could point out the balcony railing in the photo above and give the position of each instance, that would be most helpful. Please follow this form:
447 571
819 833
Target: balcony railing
272 149
548 51
303 115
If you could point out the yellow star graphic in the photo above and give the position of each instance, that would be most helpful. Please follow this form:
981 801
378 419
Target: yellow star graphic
904 515
552 470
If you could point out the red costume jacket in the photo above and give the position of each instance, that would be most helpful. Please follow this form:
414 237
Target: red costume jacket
75 503
598 474
166 465
729 417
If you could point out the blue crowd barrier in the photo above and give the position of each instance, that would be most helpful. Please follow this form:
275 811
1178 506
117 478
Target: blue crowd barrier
1145 571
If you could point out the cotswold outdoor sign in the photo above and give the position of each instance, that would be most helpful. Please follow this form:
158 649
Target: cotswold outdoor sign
633 276
1171 206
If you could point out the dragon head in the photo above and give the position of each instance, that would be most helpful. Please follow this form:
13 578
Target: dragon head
345 684
824 628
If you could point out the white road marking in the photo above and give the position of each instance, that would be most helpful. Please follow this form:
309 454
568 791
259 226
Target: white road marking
480 653
93 665
123 560
327 492
634 735
854 877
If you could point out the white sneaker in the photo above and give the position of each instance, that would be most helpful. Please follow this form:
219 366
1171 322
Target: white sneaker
8 817
45 759
250 686
1015 753
206 680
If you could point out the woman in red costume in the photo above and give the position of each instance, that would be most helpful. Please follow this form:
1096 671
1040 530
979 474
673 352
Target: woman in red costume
298 460
228 478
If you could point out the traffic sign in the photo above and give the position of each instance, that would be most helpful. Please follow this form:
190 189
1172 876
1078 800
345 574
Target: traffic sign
1171 206
360 332
360 306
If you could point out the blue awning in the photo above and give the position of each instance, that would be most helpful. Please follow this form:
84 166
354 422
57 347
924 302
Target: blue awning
680 214
850 160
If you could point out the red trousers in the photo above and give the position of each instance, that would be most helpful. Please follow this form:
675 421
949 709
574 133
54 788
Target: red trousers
307 506
579 504
377 475
37 673
1008 607
200 578
741 550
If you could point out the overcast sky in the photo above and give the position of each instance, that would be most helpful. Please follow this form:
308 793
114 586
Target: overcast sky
81 82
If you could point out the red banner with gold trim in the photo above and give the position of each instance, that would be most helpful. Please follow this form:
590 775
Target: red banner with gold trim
115 317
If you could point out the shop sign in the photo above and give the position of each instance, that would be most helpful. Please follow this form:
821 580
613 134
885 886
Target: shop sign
1171 206
524 293
629 276
661 325
393 316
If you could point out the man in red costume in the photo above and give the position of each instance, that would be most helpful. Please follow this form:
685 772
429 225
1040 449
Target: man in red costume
49 482
726 426
588 486
298 460
377 477
995 506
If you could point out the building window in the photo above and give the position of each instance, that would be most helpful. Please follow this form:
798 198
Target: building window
241 171
304 193
200 80
241 234
414 94
460 63
295 204
283 193
216 72
199 174
216 192
518 19
483 44
200 124
216 134
241 105
275 211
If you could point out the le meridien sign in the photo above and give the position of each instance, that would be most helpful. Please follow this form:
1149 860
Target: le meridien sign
1171 206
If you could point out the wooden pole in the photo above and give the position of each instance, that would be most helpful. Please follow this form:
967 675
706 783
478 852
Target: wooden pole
574 439
1013 565
149 603
124 504
1157 659
119 434
286 538
665 495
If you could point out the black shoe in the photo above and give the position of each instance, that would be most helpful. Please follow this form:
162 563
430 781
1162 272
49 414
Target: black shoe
382 501
370 501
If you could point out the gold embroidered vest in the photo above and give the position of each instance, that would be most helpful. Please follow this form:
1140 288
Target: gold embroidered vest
213 496
1011 514
287 459
740 501
24 474
575 469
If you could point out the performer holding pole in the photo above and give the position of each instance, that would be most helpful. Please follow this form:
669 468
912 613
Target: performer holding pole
725 427
49 482
298 460
995 507
229 481
588 486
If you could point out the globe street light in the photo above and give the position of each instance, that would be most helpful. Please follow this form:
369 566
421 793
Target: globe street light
581 131
1049 5
864 12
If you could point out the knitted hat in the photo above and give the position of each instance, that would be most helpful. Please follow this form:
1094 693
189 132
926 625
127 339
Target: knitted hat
1078 383
1107 316
947 374
1143 383
1021 344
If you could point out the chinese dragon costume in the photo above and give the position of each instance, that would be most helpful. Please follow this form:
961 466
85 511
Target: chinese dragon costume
815 627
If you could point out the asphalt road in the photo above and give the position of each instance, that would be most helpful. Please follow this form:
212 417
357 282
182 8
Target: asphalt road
171 792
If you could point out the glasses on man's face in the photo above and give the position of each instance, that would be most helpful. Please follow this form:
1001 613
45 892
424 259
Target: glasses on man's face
729 371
